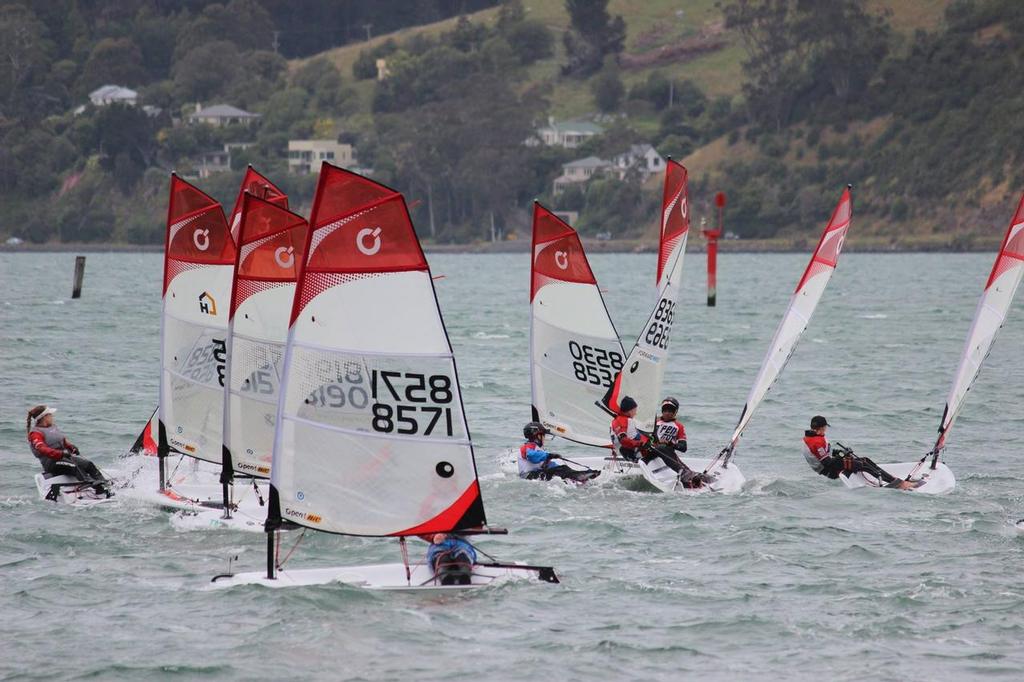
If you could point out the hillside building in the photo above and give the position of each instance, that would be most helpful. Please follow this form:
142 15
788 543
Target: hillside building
305 156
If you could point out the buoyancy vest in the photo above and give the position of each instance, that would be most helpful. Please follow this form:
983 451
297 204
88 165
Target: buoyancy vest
670 432
527 467
52 436
818 450
625 436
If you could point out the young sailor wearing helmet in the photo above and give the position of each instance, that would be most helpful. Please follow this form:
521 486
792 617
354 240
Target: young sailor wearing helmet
669 438
536 463
626 438
833 461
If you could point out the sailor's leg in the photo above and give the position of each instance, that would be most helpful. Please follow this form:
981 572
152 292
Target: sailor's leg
88 468
867 466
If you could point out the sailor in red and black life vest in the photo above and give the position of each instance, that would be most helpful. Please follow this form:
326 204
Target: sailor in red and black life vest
536 463
57 455
669 438
835 461
626 438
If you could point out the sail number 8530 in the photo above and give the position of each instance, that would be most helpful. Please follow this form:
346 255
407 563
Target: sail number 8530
595 366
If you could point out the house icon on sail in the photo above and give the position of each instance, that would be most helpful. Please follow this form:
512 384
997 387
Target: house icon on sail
207 304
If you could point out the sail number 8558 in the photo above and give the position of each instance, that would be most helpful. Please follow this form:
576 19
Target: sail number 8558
661 325
595 366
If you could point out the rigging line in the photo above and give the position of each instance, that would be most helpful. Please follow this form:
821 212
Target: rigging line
479 550
287 556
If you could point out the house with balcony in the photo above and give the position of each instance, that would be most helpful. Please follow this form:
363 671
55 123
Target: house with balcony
569 134
641 157
581 170
306 156
220 115
219 160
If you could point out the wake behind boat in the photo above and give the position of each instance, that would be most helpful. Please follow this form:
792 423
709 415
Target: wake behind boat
400 463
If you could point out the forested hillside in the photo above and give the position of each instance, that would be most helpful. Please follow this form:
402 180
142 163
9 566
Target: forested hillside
779 103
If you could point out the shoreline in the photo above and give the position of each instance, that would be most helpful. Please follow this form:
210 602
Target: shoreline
592 246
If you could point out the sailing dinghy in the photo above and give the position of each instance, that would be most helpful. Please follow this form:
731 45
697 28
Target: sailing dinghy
267 266
575 351
388 453
794 322
1001 287
194 487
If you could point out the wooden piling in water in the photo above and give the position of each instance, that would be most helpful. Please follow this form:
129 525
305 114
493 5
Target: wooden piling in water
76 291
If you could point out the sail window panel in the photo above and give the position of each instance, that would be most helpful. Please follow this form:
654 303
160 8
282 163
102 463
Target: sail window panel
193 394
362 484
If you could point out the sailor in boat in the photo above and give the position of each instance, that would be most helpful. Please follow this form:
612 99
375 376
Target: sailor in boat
626 438
451 559
58 455
833 461
669 438
536 463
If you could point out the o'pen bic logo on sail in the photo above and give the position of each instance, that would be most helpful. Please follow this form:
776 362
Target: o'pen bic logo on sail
284 256
201 238
374 245
562 260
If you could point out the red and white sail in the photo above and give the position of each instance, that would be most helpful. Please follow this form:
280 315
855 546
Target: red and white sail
988 319
371 435
575 351
198 266
801 306
258 185
267 267
643 375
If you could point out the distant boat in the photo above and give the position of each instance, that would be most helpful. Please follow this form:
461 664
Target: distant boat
1001 287
388 453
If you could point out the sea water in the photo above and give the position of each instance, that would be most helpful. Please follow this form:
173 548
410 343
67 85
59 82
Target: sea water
795 578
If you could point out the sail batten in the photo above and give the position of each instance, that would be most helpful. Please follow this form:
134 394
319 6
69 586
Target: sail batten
1000 289
575 350
801 307
372 437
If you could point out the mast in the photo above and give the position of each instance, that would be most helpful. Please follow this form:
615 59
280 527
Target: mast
797 316
644 370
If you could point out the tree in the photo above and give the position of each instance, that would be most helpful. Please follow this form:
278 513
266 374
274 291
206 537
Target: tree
116 61
205 72
607 90
593 34
25 55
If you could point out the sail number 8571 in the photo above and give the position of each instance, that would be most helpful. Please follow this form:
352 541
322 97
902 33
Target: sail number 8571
416 418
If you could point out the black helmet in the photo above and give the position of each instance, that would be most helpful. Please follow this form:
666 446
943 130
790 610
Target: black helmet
671 403
626 404
818 421
534 429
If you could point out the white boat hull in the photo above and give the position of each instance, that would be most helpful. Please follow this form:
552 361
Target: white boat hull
71 491
938 481
204 518
727 480
202 505
611 469
381 577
